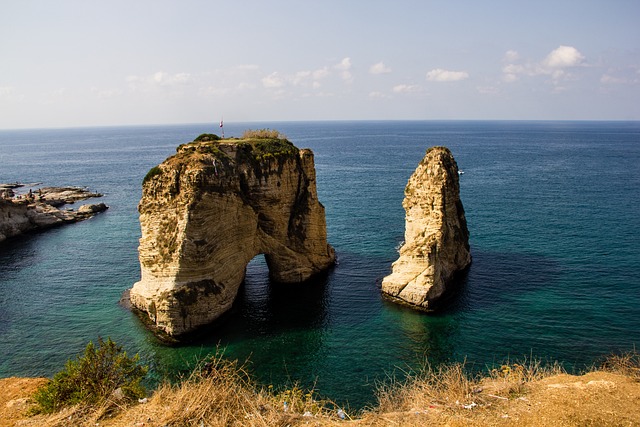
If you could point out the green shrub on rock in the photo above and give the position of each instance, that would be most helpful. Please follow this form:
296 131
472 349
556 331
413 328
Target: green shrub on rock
152 172
103 372
207 137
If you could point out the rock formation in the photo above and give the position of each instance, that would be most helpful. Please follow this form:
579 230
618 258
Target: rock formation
436 242
208 210
38 210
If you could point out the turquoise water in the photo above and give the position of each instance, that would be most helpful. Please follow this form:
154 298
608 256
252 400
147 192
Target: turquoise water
552 209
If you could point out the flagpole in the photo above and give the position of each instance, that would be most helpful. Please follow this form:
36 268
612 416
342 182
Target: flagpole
222 127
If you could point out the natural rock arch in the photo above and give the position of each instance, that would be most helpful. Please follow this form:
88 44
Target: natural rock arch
209 210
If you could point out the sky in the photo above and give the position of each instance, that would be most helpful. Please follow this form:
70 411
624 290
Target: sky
99 63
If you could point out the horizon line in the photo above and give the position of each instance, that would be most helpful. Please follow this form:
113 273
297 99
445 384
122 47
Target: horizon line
323 121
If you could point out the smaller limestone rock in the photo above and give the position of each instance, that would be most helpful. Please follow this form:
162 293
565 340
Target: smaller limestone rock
436 236
92 209
40 209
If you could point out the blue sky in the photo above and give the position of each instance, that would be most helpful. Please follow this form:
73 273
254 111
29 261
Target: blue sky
85 63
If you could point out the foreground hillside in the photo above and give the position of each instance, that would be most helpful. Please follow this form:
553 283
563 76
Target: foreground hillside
513 395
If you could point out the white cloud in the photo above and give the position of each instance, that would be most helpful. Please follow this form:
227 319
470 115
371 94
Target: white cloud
304 78
158 79
618 76
609 79
6 90
563 57
165 79
273 80
210 91
379 68
557 64
106 93
488 90
345 66
440 75
406 89
321 73
245 86
511 56
54 96
378 95
300 77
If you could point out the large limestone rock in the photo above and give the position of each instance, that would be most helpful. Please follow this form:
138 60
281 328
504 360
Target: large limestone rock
211 208
436 237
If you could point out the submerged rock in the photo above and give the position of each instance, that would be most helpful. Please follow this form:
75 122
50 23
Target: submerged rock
211 208
436 237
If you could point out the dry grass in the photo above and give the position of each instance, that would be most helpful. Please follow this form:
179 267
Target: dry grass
627 364
263 134
451 386
220 393
449 394
425 388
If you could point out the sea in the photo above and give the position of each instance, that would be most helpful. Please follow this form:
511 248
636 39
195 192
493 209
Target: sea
553 210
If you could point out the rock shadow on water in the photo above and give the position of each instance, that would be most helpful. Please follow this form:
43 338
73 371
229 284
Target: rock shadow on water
494 279
269 307
497 278
262 307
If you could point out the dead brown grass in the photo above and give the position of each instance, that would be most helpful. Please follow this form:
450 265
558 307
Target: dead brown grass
627 364
263 134
530 393
220 392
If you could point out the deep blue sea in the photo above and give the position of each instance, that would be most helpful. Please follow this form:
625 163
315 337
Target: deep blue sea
553 213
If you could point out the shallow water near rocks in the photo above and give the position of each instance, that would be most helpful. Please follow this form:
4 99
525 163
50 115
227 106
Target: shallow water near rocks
552 209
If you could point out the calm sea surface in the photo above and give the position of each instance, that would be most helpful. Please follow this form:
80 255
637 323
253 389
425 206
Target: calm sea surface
553 213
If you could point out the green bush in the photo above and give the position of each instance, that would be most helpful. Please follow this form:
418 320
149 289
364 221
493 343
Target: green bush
207 137
93 378
152 172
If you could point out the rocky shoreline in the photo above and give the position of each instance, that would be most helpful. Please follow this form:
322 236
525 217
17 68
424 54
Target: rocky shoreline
41 208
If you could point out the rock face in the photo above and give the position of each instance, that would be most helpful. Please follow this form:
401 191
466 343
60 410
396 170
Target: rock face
436 237
208 210
39 210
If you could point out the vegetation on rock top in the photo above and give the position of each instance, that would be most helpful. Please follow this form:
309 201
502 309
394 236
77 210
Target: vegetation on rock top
254 145
152 172
207 137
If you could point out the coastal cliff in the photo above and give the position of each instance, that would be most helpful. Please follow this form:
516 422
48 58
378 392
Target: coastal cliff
436 242
20 214
212 207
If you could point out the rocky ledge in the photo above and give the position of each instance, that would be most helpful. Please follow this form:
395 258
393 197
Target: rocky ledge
212 207
436 243
38 209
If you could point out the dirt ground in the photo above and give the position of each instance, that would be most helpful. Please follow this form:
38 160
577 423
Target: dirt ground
594 399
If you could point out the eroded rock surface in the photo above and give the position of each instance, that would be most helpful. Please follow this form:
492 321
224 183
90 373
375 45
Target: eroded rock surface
38 210
208 210
436 237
